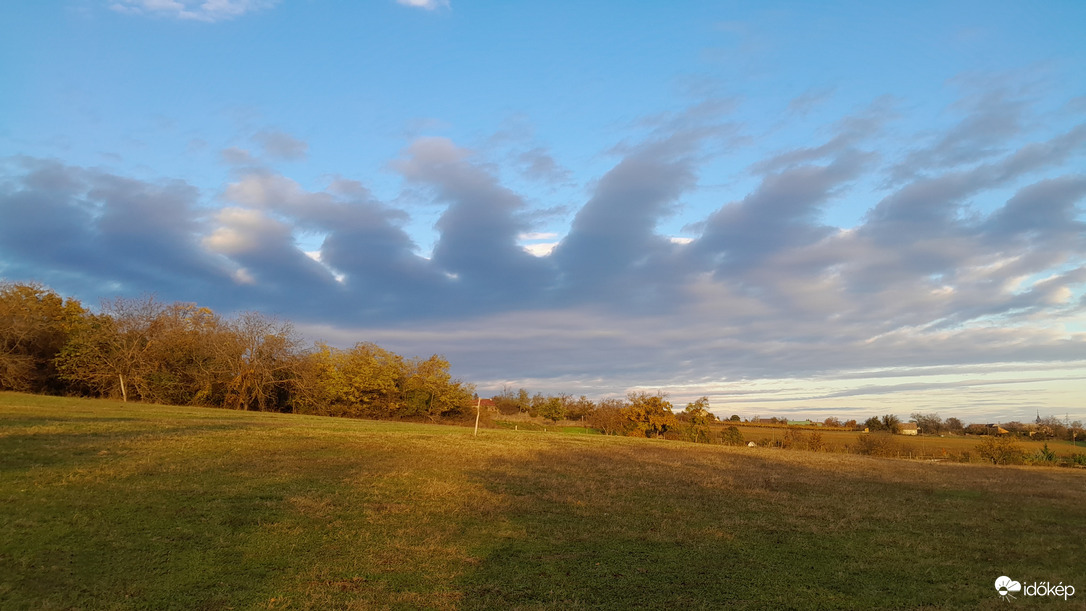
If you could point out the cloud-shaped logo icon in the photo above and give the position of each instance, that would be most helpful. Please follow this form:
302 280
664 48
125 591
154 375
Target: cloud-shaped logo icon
1005 585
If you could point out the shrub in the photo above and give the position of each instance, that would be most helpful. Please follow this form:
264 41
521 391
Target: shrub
1000 450
793 440
1045 455
815 443
732 437
877 444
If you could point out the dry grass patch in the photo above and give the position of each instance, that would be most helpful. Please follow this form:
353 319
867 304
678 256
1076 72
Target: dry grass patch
210 509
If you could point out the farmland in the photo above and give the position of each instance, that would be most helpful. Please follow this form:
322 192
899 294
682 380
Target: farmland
128 506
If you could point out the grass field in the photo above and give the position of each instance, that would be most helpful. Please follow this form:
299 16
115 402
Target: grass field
111 506
920 446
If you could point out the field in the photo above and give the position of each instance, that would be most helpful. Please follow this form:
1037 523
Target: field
921 446
105 505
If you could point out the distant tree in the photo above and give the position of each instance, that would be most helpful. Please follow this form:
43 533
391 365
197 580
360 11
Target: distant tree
581 407
735 418
506 402
831 421
608 417
929 424
891 423
953 425
850 424
650 415
552 408
976 429
696 418
874 424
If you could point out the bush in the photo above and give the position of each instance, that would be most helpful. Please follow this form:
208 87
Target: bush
732 437
1001 450
1045 455
793 440
877 444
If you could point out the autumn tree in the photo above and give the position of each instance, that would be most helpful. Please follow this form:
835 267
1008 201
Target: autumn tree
650 415
260 353
112 353
35 325
430 390
696 418
609 417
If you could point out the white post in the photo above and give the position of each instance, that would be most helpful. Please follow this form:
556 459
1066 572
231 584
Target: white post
478 408
124 393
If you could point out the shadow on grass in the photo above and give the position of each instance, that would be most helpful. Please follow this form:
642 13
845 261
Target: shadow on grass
660 527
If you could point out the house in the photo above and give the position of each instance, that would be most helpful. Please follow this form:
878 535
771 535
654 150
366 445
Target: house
909 428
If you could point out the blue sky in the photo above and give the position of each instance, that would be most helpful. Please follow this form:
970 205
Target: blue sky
805 209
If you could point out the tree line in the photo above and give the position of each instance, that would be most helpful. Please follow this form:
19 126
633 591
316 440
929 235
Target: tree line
182 354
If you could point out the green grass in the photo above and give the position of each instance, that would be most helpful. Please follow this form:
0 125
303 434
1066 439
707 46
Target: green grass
105 505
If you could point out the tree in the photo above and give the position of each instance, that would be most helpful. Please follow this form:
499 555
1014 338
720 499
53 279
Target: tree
552 408
1000 450
608 417
431 391
650 415
112 353
929 424
953 425
35 325
891 423
874 424
697 418
731 436
261 354
735 418
831 421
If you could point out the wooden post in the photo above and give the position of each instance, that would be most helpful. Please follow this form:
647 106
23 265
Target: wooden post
124 393
478 408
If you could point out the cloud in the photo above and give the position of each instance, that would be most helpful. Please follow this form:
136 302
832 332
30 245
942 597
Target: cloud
279 145
809 100
429 5
236 156
972 265
196 10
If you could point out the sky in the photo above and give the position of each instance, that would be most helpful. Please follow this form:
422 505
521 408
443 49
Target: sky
796 209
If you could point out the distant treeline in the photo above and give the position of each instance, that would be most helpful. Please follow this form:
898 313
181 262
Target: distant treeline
181 354
641 414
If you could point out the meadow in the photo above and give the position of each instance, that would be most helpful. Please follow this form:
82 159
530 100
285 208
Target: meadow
105 505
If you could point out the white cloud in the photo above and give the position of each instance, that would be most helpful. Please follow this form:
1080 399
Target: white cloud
195 10
425 4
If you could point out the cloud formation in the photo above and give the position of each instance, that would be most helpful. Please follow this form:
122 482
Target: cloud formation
767 287
195 10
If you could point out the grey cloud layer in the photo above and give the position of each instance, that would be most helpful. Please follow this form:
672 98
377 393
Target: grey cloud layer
767 288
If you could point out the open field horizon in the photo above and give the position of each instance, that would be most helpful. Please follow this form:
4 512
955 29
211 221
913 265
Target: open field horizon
124 506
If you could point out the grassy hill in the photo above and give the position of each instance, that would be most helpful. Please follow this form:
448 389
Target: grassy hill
106 505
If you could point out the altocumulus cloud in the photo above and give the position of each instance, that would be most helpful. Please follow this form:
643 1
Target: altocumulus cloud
767 287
